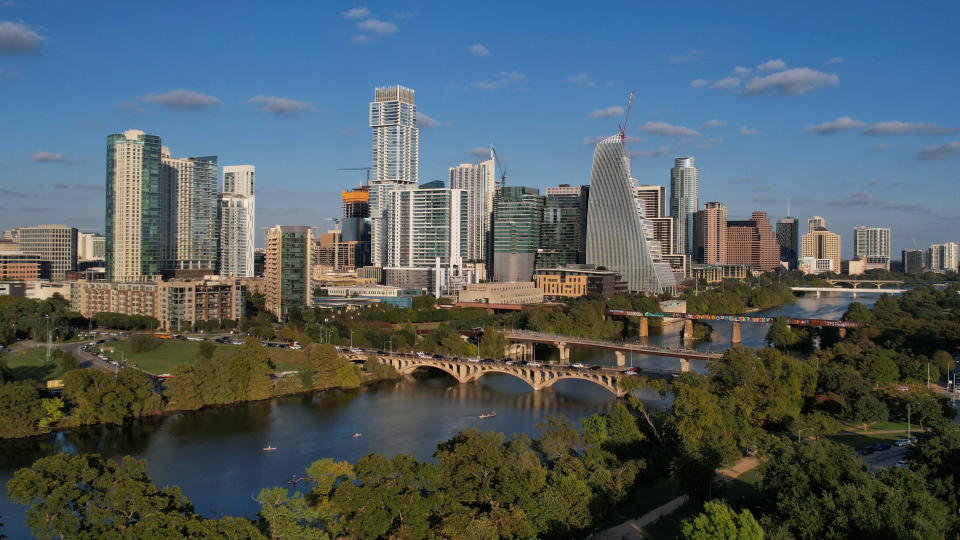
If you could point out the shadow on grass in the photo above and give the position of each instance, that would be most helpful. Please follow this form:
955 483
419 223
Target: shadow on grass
40 373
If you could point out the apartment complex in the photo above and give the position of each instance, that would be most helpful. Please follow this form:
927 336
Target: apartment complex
237 206
355 225
287 280
426 225
710 235
943 257
91 247
872 244
479 182
192 186
752 242
913 261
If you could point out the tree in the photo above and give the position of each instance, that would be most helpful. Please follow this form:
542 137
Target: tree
22 410
142 343
206 349
781 335
718 520
184 389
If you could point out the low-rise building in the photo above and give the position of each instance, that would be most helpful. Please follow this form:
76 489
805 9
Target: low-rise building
506 292
17 266
371 291
573 281
715 273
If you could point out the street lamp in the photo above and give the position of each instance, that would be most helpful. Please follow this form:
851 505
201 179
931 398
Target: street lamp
801 431
351 339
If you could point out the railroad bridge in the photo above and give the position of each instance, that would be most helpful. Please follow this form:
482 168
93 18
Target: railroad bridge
537 377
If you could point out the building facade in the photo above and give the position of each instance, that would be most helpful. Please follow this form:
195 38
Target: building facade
913 261
16 266
710 235
355 226
788 239
56 244
479 182
943 257
684 203
652 199
563 232
619 238
396 159
90 247
426 225
192 185
574 282
507 292
287 279
137 207
237 235
872 244
753 242
820 244
517 218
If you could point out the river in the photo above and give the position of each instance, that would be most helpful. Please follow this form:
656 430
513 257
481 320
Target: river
216 454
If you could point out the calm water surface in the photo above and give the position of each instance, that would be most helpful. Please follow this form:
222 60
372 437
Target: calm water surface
216 454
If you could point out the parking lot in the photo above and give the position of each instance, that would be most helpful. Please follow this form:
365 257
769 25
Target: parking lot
886 458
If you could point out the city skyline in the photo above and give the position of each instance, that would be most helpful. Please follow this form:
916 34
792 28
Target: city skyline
820 143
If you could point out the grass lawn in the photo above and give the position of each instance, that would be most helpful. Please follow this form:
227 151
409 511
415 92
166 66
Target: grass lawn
159 360
31 364
287 360
741 490
643 499
879 426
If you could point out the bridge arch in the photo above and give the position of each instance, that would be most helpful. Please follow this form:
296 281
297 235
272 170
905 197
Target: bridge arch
609 386
407 369
513 373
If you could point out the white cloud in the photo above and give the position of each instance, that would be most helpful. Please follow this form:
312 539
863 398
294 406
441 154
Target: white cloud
504 78
741 71
894 127
609 112
656 152
690 56
377 27
664 129
18 38
427 122
940 152
49 157
362 39
833 126
772 65
481 152
479 49
356 13
713 124
581 78
725 83
835 60
697 83
281 106
790 82
744 130
183 99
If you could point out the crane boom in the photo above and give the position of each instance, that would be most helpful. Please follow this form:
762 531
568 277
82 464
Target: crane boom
626 118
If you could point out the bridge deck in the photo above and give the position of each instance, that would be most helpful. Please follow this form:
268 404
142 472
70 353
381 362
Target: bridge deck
540 337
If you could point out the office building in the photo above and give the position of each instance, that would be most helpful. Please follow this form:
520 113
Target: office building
396 159
652 199
16 266
137 207
193 187
90 247
506 292
479 181
517 218
788 239
942 257
872 244
683 203
913 261
56 244
563 233
710 234
753 242
819 245
715 273
426 225
237 221
619 238
355 226
287 283
574 281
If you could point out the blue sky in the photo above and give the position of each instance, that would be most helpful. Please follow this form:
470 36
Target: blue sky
849 109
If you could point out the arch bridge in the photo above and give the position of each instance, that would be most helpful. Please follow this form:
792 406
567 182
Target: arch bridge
537 377
857 283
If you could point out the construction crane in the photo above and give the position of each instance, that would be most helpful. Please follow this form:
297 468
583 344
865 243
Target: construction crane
622 128
500 168
367 183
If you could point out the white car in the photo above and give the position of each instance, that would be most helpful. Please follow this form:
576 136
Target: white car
423 355
356 350
473 359
578 365
534 364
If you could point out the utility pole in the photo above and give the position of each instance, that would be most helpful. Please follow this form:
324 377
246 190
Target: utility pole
908 420
48 339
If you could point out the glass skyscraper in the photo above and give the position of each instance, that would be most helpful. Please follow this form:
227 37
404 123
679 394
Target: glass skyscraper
563 233
619 238
193 187
517 217
683 203
788 238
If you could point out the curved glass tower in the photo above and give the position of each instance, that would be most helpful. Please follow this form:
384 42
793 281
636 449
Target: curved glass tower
619 237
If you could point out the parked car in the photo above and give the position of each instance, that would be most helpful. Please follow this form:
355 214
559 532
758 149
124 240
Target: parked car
865 451
882 447
901 442
902 463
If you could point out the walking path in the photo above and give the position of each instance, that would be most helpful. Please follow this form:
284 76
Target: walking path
632 529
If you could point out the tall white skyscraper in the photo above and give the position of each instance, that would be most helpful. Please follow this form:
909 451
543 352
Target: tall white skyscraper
427 225
193 187
683 203
237 221
396 159
872 244
479 181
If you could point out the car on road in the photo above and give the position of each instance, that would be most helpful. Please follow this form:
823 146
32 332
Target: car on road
438 356
423 355
534 363
381 352
356 350
634 373
509 362
882 447
578 365
595 368
489 361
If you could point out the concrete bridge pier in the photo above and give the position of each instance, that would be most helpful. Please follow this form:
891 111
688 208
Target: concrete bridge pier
684 365
621 358
564 352
842 331
644 327
687 330
735 332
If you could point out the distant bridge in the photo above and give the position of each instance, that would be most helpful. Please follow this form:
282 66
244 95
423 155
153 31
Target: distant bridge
855 291
856 283
537 377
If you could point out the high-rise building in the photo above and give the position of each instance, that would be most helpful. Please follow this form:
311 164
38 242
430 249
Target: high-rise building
683 203
663 233
753 242
237 221
652 199
56 244
479 181
619 238
820 246
913 261
788 238
137 207
517 217
873 245
286 274
90 247
193 186
427 224
396 159
563 233
355 226
710 235
943 257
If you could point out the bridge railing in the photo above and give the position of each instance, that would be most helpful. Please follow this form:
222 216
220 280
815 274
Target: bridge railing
604 343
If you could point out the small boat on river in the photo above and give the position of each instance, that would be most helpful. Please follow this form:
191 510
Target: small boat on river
490 414
269 448
357 435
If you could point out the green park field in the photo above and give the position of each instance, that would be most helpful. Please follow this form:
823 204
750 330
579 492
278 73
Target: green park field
31 364
171 352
